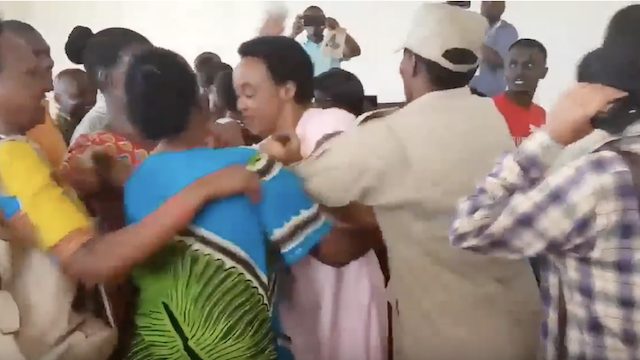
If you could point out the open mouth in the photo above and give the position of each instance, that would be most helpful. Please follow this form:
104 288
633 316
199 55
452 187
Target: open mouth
519 82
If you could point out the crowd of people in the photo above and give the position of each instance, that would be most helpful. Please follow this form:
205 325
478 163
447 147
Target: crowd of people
154 208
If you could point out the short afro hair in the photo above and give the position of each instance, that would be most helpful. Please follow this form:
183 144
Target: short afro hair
344 89
210 69
206 55
162 93
286 60
19 27
530 44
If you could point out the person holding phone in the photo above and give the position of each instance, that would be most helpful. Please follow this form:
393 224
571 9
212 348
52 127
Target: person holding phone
489 81
451 305
314 22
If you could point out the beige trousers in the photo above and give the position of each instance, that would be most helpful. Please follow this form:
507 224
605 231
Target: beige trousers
36 318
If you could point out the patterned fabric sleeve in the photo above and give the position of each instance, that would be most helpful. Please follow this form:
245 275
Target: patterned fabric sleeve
109 142
105 202
78 149
517 212
293 222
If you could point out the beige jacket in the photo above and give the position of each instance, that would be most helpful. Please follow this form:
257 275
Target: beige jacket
412 167
36 319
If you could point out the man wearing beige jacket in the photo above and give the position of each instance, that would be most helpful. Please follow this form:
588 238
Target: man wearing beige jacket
411 167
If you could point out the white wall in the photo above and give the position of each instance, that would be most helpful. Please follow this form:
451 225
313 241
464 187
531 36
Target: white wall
568 30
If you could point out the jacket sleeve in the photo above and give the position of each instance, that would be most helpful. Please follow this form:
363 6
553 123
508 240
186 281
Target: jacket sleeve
356 166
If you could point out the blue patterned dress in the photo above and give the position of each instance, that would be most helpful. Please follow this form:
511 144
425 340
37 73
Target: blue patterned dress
210 294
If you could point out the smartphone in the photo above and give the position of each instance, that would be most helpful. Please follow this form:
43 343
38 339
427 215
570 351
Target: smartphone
313 20
461 4
622 113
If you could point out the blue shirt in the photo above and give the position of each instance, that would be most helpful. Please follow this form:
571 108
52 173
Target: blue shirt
490 81
321 62
217 277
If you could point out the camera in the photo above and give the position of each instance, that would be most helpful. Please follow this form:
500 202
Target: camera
313 20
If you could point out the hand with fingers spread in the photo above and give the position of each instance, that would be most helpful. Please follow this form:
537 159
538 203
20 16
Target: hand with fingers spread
110 169
230 181
89 173
272 26
277 13
298 27
569 120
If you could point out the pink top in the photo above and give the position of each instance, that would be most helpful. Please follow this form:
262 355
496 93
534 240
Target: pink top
316 123
334 314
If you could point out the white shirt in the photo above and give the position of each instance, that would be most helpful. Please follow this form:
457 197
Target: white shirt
95 120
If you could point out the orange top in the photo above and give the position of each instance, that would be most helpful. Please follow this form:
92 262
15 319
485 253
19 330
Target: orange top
49 139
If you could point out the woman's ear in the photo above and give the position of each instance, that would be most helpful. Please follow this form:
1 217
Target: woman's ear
103 79
288 91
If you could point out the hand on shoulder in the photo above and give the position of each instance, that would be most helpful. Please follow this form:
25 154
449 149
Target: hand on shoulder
230 181
284 148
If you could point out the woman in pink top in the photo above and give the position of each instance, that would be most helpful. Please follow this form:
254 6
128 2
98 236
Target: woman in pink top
330 312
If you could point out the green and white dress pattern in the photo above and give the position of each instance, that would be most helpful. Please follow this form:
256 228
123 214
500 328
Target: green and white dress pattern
208 296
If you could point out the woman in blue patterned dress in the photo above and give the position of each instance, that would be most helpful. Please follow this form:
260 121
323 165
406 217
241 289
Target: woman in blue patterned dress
210 294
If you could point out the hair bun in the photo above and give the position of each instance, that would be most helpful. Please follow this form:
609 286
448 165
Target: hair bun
77 43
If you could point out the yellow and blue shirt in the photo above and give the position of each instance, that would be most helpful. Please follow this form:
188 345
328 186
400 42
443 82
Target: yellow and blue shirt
31 195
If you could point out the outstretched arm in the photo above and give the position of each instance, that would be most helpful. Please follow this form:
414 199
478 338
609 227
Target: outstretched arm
40 208
518 212
113 255
94 258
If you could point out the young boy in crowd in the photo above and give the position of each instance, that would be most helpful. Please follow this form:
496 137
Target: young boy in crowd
525 66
